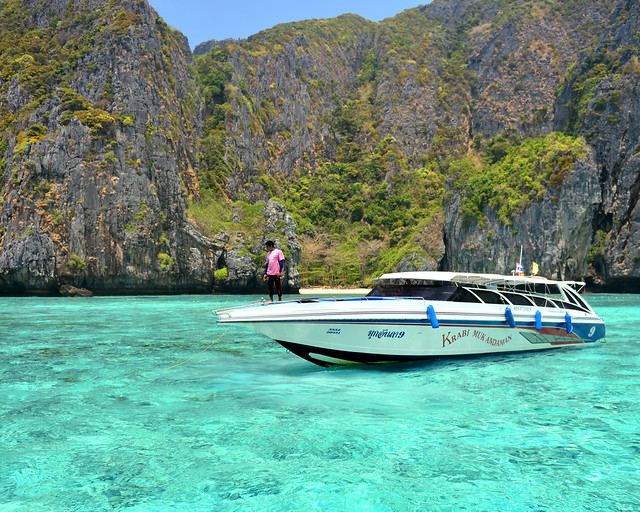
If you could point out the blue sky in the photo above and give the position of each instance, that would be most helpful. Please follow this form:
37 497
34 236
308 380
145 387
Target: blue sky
201 20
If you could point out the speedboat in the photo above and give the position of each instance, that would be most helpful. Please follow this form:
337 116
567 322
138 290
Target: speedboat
417 315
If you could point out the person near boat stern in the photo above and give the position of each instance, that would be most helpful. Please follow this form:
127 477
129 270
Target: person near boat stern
273 269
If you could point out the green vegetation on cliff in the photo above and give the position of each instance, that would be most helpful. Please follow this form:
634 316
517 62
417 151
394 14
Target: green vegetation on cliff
524 174
43 58
366 132
365 174
99 120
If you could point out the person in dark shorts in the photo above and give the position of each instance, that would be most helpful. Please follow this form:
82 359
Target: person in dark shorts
273 269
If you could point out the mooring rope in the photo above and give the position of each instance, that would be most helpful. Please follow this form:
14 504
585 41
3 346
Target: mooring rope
212 344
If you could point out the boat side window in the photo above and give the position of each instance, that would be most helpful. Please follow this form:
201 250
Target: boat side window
568 305
434 292
517 299
385 290
574 297
541 301
548 289
539 288
463 295
489 297
430 292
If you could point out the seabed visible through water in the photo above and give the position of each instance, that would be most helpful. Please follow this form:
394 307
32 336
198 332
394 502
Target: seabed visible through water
96 416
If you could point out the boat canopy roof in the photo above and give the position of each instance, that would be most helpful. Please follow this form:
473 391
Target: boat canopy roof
473 279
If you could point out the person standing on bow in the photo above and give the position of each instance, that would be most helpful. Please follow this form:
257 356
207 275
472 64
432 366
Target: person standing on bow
273 269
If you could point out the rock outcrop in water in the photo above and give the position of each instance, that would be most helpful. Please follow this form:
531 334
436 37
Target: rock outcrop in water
244 270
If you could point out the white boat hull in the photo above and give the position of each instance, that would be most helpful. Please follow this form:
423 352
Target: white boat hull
337 332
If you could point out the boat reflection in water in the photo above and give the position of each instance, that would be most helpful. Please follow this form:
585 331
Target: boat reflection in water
418 315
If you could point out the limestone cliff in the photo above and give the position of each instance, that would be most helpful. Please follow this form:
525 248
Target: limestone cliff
601 101
555 231
100 118
127 165
396 106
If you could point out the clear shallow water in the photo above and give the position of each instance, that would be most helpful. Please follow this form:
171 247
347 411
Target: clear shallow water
91 419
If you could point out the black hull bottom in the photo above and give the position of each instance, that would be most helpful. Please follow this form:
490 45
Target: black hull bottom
328 357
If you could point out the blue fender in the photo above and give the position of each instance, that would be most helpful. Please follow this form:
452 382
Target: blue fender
567 319
538 321
431 313
510 319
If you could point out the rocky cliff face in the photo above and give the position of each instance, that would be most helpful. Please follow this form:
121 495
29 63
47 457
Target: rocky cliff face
292 88
590 229
555 232
110 128
601 101
516 71
244 259
100 161
448 80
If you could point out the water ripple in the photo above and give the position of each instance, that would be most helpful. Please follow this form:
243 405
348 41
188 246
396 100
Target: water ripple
91 420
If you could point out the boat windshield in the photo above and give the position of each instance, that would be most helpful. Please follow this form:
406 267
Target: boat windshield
575 298
431 290
542 294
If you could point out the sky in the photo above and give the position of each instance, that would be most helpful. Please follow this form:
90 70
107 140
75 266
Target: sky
202 20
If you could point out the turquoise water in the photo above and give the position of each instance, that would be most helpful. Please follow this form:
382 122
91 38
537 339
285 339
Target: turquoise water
91 419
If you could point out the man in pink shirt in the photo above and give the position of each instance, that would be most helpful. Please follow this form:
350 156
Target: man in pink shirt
273 269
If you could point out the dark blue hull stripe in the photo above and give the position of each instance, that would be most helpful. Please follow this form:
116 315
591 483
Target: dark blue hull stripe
580 330
456 323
